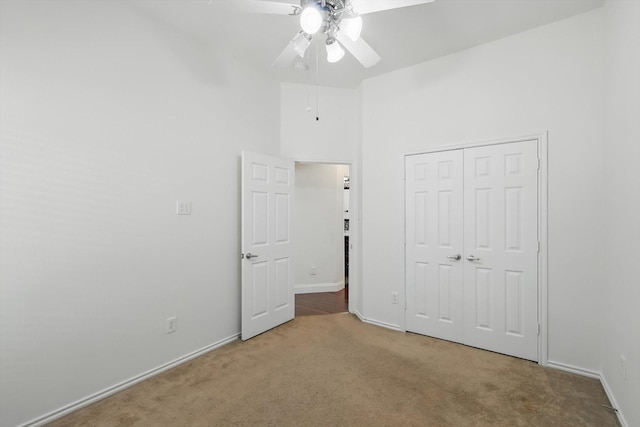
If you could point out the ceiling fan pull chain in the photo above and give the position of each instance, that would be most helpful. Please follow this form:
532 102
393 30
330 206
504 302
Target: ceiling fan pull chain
308 108
308 55
317 91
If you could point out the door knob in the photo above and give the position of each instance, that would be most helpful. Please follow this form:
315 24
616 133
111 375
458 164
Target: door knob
455 257
472 257
249 255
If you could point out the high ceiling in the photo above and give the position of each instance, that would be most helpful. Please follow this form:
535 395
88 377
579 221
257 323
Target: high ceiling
403 37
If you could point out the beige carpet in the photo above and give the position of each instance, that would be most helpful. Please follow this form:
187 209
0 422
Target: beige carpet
334 370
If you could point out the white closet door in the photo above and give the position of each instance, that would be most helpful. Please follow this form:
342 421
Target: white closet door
501 245
434 277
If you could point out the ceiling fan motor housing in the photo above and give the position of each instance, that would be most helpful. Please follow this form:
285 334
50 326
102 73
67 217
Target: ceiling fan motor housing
332 9
330 5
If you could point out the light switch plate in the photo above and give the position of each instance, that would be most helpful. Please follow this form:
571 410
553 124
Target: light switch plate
172 324
183 208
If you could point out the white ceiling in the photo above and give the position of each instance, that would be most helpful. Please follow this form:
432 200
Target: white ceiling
403 37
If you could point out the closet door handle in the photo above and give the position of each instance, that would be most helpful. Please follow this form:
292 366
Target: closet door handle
456 257
472 257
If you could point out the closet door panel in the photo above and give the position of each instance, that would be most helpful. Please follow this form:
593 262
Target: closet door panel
501 245
434 282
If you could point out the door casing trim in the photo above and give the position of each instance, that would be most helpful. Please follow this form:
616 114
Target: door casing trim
355 289
542 139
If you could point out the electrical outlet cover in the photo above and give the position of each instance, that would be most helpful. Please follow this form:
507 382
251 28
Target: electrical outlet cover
172 324
623 366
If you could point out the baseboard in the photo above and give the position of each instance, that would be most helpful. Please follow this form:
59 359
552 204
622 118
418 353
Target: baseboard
573 369
377 322
612 399
65 410
382 324
319 287
59 413
592 374
360 316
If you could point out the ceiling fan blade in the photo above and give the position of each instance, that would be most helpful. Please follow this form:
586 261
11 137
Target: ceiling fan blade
288 54
370 6
257 6
286 57
360 49
297 46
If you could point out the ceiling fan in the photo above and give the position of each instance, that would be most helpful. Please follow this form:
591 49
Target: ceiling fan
339 21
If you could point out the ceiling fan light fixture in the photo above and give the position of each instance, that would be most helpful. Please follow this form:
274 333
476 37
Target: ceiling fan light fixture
311 20
352 27
300 66
301 44
335 52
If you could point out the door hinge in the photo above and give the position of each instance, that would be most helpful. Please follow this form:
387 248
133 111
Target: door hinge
539 246
539 328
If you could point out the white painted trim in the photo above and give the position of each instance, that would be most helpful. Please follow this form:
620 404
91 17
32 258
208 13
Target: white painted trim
542 139
543 301
321 162
354 217
596 375
402 190
612 399
573 369
355 288
65 410
549 363
377 323
473 144
319 287
382 324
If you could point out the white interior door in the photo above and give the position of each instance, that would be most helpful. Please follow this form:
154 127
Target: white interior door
501 248
434 244
268 298
480 203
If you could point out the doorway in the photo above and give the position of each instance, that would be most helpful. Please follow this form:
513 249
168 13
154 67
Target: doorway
475 229
321 224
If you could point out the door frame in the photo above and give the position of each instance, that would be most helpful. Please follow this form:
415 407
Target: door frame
355 286
542 139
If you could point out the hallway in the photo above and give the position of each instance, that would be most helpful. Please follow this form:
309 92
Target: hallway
322 303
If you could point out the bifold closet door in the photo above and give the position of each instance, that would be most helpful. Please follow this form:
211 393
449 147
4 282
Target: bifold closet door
472 246
434 266
501 248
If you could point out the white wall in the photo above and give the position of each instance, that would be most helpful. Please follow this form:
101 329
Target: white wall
108 116
547 79
333 137
621 292
318 228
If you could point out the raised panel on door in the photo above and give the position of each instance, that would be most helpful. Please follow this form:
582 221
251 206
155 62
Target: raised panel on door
267 275
501 233
433 236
